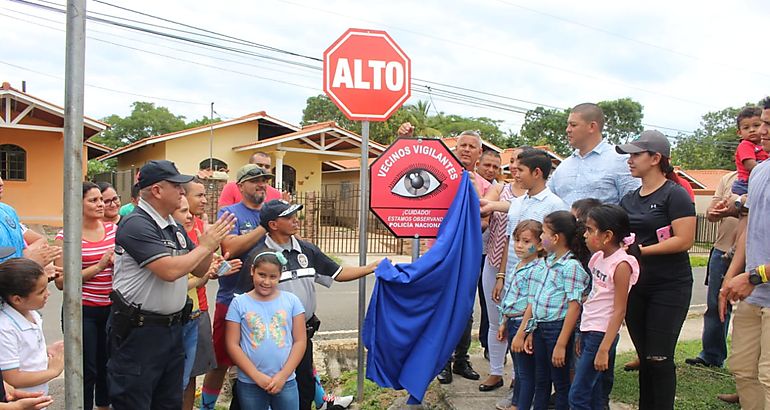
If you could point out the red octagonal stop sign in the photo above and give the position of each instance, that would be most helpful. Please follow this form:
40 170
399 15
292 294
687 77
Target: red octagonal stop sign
366 75
413 184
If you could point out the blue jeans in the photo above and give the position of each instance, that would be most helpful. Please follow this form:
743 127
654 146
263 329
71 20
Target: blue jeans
95 356
523 370
740 187
714 337
253 397
544 342
189 344
587 391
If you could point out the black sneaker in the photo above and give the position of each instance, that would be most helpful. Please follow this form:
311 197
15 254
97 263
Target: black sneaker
464 369
445 377
698 361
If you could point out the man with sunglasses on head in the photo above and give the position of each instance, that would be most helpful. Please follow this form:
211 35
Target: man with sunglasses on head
252 183
232 195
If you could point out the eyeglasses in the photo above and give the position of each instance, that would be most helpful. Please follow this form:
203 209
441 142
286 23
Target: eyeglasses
112 201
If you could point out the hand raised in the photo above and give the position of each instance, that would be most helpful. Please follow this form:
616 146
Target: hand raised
406 130
217 231
42 253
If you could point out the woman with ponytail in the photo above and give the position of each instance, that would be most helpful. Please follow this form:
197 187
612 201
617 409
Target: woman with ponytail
662 215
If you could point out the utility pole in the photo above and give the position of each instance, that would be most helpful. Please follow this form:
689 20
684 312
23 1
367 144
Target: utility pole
74 67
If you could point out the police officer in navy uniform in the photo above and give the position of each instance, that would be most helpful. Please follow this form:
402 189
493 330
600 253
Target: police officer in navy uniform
153 256
306 265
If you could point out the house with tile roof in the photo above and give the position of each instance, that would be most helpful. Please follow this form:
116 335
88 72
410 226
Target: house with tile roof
703 182
32 155
297 152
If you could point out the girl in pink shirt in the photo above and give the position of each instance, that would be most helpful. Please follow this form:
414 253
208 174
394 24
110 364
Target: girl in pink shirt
613 272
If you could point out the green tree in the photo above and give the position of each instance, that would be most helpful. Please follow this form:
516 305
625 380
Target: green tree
545 126
453 125
712 146
144 121
97 167
320 108
623 120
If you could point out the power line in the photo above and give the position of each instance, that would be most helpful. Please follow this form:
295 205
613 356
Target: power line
100 87
190 61
510 56
461 98
283 69
458 97
397 28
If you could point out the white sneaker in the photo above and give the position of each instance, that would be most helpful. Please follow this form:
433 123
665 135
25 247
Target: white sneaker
505 402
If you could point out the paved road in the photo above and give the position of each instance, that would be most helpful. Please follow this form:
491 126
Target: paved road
337 306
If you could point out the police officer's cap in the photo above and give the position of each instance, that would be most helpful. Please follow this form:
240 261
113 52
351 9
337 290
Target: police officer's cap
161 170
275 209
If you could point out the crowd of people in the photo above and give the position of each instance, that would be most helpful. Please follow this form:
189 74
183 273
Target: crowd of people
147 333
570 255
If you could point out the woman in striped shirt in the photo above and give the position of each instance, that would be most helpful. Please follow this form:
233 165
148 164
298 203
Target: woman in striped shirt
98 243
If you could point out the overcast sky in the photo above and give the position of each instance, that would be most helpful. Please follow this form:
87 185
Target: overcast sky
679 61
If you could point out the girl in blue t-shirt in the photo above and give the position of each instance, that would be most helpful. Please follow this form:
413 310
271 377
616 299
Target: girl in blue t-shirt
266 338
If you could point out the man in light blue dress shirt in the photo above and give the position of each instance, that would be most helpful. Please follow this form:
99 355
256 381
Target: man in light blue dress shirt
594 170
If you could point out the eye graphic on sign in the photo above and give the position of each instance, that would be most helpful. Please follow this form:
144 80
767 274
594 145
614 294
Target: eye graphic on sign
417 182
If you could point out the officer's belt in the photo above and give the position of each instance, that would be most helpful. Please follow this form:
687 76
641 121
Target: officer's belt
297 273
148 318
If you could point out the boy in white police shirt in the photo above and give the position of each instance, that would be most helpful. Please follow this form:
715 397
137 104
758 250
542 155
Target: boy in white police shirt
306 266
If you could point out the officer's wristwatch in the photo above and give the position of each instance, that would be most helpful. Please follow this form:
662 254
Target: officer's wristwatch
754 277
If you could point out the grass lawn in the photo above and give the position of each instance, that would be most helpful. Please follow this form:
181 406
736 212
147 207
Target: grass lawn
378 398
698 261
697 387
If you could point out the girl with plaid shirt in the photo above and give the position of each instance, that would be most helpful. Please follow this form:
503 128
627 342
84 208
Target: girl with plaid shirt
556 291
510 294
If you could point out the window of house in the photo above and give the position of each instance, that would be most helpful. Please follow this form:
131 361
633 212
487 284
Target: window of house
13 162
214 164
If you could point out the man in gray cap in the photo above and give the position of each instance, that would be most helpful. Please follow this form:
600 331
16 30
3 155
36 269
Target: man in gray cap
153 256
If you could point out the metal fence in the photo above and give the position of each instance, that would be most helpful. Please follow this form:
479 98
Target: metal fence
705 235
121 180
329 219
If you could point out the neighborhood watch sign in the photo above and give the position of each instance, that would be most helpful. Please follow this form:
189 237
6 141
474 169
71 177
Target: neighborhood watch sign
413 184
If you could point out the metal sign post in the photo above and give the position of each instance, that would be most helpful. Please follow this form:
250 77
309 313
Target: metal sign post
372 89
74 67
362 245
415 248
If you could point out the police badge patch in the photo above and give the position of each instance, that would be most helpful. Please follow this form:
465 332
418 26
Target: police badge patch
10 222
302 259
180 238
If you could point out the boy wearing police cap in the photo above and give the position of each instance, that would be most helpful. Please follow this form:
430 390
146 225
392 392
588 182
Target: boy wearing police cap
153 256
245 235
306 265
